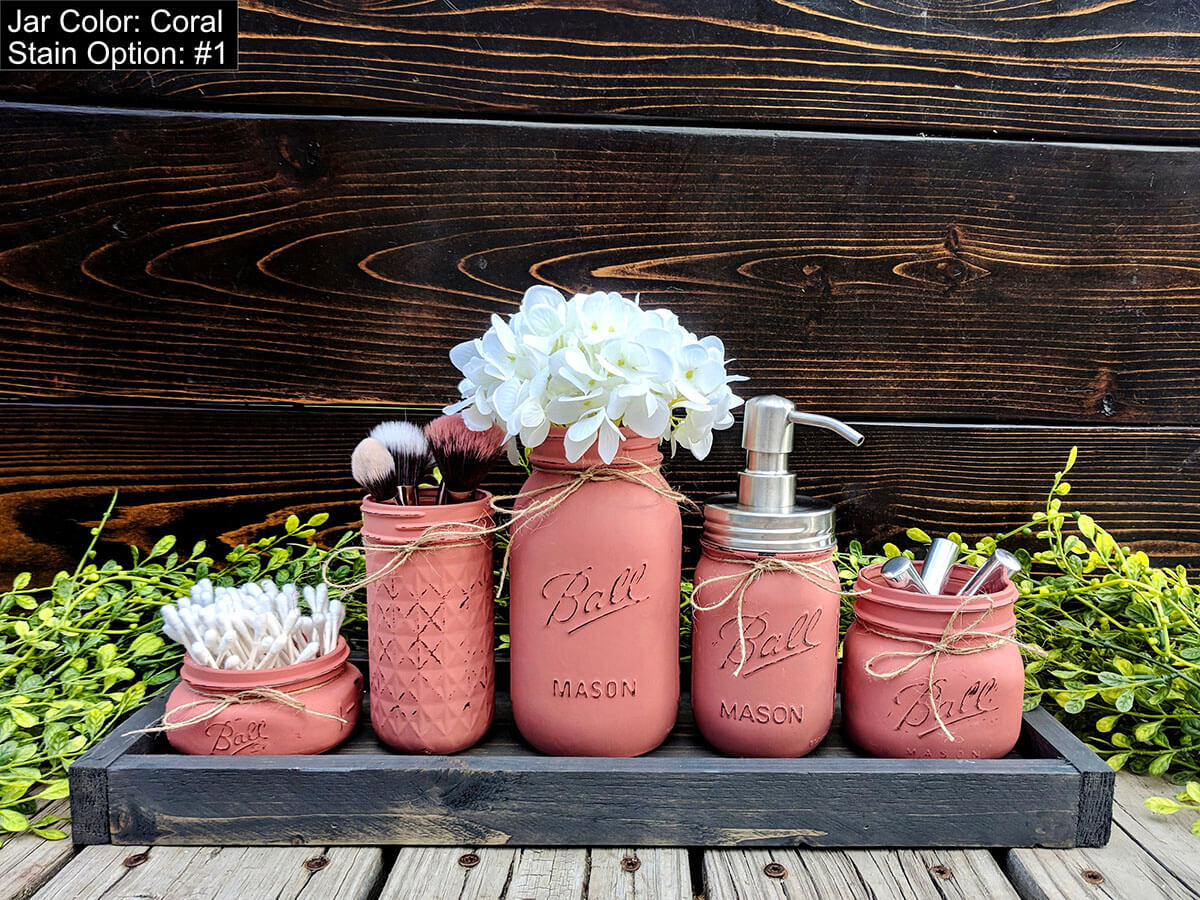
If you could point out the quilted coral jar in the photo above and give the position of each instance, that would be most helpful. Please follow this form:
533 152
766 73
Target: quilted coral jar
308 707
594 604
430 623
932 676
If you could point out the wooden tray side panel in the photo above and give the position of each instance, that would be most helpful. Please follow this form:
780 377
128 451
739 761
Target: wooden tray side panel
523 801
1097 780
88 776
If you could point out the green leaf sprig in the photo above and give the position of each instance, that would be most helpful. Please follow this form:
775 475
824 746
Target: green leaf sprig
1120 635
79 653
1188 798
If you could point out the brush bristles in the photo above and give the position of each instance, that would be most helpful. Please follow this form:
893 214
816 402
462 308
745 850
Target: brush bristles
463 456
409 449
374 469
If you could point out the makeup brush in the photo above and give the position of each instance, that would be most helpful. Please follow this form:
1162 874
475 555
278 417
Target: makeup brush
374 470
410 451
463 456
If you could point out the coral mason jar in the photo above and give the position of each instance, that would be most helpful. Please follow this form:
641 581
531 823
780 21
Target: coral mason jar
594 605
307 707
767 598
932 676
766 688
429 623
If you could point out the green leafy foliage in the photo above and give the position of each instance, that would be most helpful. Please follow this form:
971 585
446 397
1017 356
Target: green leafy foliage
1121 636
79 653
1122 642
1188 798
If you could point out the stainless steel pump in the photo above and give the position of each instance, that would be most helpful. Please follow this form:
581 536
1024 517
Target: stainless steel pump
766 515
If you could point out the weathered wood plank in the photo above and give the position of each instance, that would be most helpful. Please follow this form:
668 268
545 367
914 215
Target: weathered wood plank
645 874
1119 871
1148 857
549 873
27 861
181 258
878 874
501 873
228 475
1167 838
431 873
1067 68
220 873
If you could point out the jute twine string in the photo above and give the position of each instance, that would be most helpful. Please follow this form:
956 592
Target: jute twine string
222 701
440 536
813 573
963 642
552 496
449 535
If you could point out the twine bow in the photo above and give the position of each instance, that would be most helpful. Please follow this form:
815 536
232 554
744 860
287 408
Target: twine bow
221 702
964 642
745 579
633 471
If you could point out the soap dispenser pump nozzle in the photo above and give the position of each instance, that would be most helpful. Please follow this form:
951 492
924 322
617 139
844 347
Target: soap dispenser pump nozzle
767 434
766 516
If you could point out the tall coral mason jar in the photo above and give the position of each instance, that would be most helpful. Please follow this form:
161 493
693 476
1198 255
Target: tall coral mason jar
902 698
430 625
594 605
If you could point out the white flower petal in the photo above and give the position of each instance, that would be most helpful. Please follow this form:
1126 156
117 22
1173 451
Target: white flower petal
531 415
475 420
536 436
586 427
542 295
462 354
609 440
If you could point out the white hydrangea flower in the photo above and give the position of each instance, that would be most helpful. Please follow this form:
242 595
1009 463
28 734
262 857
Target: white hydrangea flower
594 364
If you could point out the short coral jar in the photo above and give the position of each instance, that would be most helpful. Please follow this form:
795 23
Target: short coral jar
932 676
309 707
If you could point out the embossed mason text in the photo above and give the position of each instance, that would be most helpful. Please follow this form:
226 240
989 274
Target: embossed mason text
594 690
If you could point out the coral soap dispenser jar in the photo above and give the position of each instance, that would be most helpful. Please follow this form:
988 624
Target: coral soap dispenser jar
767 598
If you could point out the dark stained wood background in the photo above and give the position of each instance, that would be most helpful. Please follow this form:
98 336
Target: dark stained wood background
1123 70
210 294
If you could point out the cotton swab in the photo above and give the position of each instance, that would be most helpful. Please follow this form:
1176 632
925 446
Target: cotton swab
256 625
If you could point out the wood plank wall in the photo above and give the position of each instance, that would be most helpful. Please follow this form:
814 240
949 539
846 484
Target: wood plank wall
974 227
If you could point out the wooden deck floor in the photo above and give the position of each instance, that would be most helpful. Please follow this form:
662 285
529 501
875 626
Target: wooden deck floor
1149 857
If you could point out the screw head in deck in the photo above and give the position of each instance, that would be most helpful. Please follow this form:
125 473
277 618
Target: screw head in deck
469 860
774 870
631 863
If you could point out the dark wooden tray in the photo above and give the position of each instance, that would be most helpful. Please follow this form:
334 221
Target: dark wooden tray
1051 792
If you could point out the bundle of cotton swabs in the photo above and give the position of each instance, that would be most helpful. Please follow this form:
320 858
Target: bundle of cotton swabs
255 626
